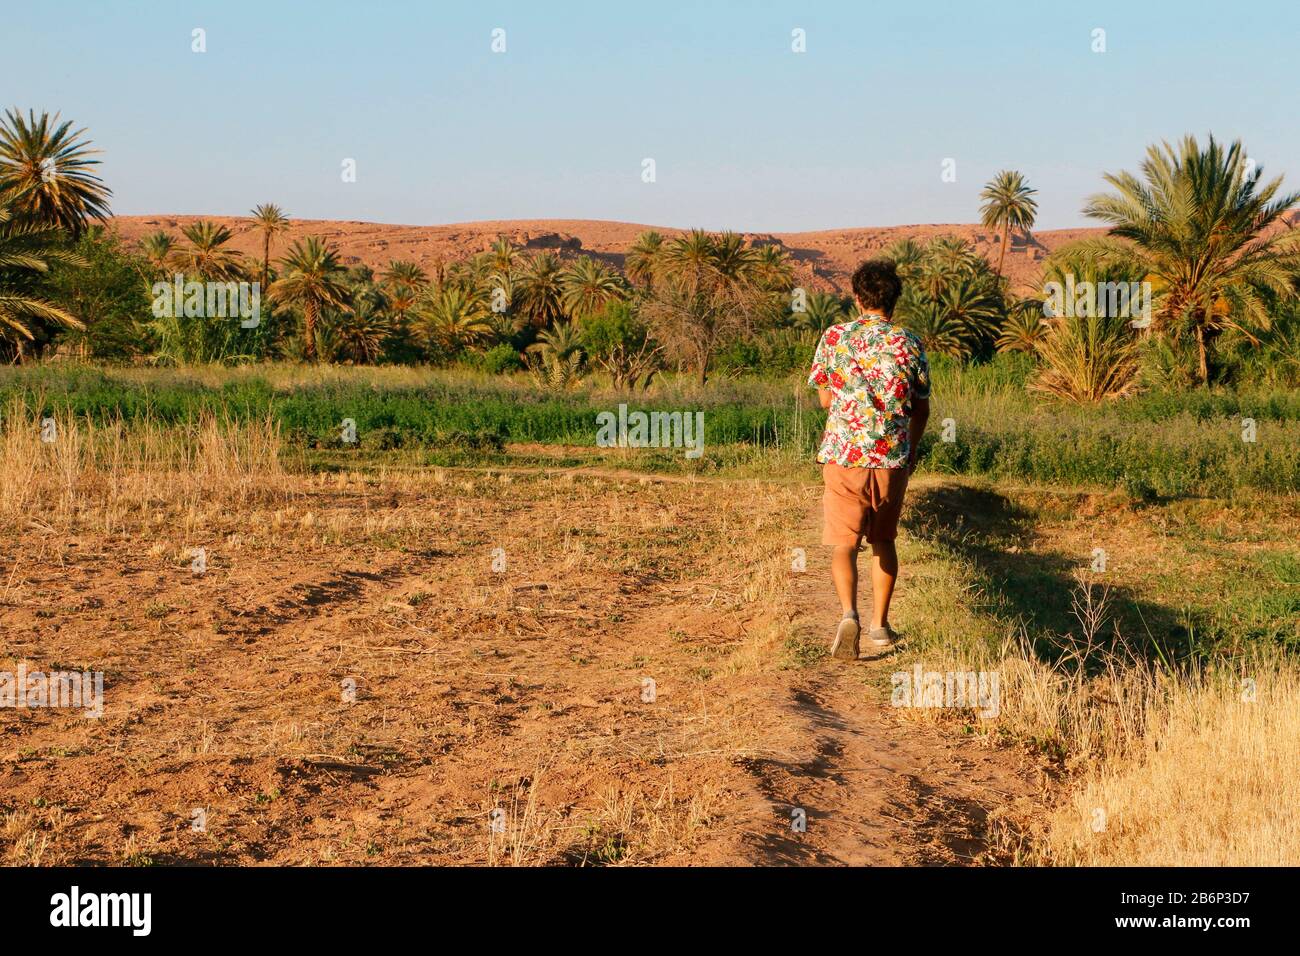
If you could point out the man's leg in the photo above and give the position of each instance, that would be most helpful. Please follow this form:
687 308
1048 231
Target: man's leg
844 574
884 572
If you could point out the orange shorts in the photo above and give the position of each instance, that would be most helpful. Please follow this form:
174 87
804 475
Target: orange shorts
862 503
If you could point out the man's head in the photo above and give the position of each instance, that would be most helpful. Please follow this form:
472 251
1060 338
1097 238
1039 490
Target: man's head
876 286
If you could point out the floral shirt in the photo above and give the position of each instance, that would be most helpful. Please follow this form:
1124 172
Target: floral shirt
874 370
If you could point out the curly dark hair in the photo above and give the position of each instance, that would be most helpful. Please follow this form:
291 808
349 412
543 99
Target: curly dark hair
876 285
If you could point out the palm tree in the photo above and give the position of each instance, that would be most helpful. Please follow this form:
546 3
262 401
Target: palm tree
975 304
944 261
403 282
561 341
690 257
404 274
453 319
206 255
643 258
770 266
1023 328
27 250
1008 204
732 262
821 312
1206 233
1090 350
539 290
45 168
706 293
907 256
587 286
938 330
157 249
312 279
503 255
1086 358
358 333
270 220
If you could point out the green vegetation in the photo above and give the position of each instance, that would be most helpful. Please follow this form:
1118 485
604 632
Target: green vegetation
1157 444
504 348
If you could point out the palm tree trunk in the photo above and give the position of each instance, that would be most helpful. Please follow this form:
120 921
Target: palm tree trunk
266 258
309 330
1203 354
1006 237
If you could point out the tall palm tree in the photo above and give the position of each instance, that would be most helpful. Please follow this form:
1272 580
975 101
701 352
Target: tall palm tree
690 257
270 220
27 250
312 279
587 285
732 261
1207 232
46 168
206 256
539 290
1008 204
643 258
157 249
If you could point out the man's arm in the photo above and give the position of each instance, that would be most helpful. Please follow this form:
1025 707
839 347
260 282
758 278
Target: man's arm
825 396
916 428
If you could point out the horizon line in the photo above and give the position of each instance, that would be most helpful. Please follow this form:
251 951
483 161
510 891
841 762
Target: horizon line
576 219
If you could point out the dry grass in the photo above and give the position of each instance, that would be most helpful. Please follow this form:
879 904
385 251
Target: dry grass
73 473
1212 782
1158 764
222 690
519 690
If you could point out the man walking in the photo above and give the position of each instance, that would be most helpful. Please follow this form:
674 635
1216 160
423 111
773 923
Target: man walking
874 381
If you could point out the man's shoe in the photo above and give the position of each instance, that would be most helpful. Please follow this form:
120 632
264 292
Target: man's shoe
882 637
845 646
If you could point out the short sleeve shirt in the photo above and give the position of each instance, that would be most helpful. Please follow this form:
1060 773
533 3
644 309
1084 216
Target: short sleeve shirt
874 370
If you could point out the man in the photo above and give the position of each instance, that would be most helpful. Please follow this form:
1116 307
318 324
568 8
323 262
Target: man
874 381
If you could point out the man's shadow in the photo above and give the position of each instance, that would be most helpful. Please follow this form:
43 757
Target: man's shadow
1036 587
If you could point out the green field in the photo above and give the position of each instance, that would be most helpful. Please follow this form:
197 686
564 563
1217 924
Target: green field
1158 444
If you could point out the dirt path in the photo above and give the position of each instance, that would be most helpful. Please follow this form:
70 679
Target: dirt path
875 789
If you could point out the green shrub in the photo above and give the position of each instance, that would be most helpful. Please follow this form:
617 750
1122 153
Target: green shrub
499 359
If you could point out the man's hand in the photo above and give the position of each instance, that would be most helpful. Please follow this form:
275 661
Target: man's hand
825 396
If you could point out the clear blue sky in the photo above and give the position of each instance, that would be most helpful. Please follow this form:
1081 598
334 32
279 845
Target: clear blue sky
744 133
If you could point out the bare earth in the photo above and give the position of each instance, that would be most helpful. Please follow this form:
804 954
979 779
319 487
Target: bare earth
823 259
519 690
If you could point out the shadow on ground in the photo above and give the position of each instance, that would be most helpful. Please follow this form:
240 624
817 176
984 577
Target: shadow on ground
1029 583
